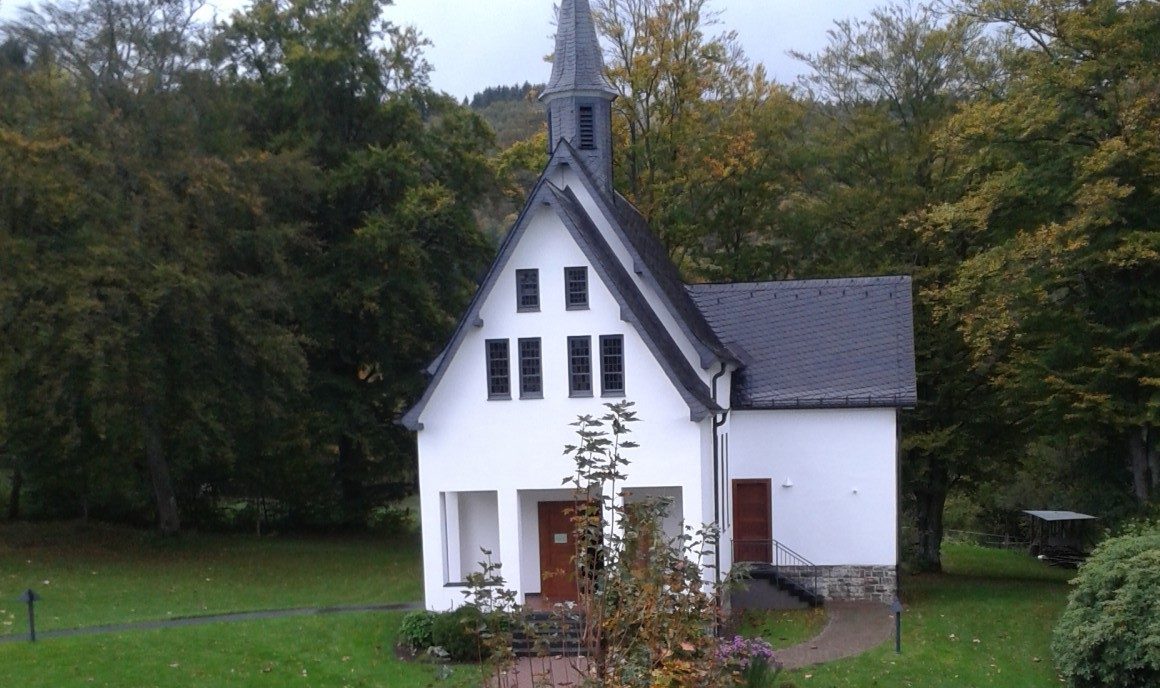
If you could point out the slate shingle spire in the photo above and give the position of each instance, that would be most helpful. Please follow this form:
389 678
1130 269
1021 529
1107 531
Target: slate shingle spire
578 98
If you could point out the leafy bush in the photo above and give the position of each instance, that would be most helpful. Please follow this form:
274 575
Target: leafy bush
648 615
417 630
459 633
1108 635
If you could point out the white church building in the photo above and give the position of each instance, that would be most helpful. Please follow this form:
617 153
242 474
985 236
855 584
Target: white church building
770 408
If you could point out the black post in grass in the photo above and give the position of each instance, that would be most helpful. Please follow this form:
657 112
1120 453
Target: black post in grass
896 609
30 598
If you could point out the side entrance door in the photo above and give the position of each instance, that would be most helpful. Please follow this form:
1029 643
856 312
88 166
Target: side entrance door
752 521
557 547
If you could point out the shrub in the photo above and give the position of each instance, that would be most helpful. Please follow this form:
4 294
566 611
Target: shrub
459 633
749 660
1108 635
417 630
648 615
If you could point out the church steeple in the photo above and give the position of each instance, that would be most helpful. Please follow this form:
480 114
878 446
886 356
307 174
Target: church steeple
578 99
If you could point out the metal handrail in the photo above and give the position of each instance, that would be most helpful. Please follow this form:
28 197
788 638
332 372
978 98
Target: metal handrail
783 556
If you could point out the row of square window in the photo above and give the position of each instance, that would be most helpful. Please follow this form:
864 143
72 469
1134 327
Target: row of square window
575 289
580 384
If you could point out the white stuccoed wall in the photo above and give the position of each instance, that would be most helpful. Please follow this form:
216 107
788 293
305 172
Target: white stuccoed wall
827 454
471 444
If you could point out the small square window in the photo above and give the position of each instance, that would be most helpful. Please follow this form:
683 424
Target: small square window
531 371
580 366
612 365
527 290
499 381
576 288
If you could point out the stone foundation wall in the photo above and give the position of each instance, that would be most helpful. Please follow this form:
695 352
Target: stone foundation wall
877 583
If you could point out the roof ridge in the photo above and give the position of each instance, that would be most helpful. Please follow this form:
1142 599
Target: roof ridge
656 336
805 283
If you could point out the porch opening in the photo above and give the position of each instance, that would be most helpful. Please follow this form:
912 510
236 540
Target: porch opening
470 526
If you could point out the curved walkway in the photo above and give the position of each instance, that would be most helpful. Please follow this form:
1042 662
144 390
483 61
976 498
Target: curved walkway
851 629
187 621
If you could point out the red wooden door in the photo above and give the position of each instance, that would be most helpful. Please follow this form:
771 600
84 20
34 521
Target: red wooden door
557 547
752 521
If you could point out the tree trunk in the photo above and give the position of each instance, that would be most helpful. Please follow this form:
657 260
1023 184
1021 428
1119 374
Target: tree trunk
350 471
167 519
930 500
1138 450
1153 452
14 495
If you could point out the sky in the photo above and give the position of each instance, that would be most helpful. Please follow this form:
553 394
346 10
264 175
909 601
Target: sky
481 43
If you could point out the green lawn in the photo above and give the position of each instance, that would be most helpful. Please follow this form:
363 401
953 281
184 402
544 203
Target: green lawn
987 621
90 575
355 651
783 628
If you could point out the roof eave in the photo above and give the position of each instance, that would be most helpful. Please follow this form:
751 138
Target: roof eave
709 355
804 404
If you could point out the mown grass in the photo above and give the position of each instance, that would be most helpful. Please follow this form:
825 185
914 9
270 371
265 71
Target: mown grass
986 621
353 651
93 575
782 628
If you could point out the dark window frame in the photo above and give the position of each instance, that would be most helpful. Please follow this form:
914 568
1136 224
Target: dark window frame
569 282
498 380
529 289
580 381
612 365
531 368
586 127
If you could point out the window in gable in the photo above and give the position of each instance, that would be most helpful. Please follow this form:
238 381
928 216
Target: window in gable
612 365
587 127
576 288
527 290
531 372
580 366
499 381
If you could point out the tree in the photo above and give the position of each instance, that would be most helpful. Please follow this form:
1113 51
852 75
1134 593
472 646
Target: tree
1058 307
393 249
669 74
144 273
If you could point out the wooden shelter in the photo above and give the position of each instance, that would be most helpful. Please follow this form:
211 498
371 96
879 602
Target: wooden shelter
1061 537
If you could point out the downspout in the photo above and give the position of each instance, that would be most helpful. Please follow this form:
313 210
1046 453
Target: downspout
717 423
897 504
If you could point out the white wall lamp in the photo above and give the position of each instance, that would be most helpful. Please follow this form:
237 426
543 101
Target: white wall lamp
787 483
855 490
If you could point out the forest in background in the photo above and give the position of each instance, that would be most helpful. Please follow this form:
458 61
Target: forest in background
228 251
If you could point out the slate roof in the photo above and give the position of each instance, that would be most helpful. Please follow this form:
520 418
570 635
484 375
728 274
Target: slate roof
578 65
816 343
635 308
668 280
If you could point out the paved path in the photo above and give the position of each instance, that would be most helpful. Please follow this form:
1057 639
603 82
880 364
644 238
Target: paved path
851 629
533 672
187 621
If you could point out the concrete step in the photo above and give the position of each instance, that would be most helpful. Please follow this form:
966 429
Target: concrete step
548 634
